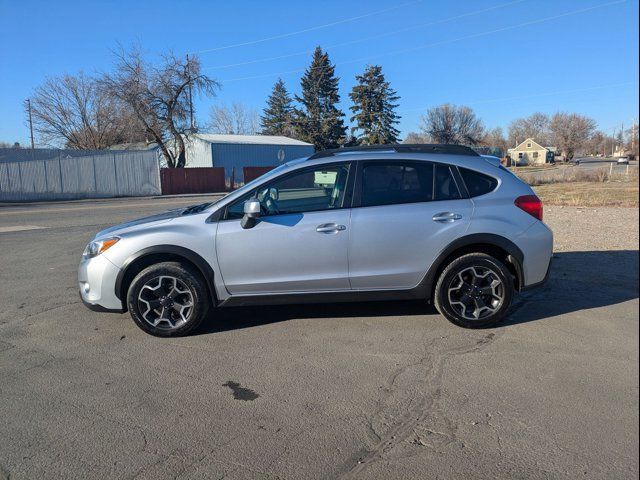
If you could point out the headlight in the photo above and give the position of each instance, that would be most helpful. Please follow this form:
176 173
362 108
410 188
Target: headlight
96 247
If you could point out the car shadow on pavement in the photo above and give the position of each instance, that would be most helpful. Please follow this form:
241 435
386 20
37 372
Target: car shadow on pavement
578 281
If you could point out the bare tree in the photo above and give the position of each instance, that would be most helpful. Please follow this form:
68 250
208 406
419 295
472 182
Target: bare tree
534 126
452 124
234 120
159 97
631 136
495 138
72 111
414 137
597 144
571 132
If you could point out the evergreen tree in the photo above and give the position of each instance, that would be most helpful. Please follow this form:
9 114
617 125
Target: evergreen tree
319 121
277 116
373 108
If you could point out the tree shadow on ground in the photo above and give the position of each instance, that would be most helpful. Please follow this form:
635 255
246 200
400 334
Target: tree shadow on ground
578 281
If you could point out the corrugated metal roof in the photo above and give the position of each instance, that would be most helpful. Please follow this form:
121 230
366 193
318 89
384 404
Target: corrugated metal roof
250 139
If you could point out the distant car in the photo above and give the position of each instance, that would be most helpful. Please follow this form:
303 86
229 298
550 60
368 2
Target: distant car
434 222
623 161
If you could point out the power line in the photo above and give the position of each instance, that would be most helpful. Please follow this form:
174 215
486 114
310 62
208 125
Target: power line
366 39
537 95
310 29
444 42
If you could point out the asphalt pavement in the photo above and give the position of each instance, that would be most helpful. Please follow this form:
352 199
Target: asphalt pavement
594 163
365 390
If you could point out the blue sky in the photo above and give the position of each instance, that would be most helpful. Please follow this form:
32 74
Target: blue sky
504 58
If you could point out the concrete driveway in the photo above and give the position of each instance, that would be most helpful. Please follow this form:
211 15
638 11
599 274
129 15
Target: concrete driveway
369 390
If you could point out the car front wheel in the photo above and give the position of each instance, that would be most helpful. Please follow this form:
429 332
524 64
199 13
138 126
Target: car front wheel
168 299
474 291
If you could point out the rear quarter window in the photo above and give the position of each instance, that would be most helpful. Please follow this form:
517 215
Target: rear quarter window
478 183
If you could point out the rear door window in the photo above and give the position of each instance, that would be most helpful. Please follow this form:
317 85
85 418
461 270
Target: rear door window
478 183
393 183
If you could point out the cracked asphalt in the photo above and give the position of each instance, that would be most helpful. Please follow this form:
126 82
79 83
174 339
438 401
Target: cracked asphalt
368 390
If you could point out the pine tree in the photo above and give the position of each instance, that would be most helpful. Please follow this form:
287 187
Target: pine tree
373 108
277 116
319 121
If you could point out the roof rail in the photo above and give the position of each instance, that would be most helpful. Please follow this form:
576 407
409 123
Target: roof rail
400 148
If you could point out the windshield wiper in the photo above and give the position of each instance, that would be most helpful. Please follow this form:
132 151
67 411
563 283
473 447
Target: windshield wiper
195 208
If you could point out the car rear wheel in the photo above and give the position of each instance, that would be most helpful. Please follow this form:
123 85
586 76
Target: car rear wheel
474 291
168 299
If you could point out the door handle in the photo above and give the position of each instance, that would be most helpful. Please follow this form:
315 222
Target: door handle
330 228
446 217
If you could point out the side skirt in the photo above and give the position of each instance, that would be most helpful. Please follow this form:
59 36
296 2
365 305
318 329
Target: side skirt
417 293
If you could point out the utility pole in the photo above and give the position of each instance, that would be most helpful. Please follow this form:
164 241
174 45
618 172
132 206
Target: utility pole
633 137
30 123
190 96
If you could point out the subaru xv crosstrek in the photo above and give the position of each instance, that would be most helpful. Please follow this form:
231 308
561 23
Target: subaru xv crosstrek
437 223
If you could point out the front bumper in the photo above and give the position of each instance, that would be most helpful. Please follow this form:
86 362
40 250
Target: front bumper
96 282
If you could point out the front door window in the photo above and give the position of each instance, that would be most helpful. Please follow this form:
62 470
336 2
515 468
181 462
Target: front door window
310 190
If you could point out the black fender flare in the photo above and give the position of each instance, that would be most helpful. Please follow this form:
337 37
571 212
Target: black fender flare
491 239
201 264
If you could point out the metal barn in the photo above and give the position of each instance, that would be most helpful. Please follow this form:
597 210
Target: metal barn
233 152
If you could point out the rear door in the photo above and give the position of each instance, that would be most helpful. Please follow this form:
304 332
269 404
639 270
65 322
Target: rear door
405 213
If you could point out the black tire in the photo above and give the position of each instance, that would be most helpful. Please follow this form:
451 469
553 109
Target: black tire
173 307
457 311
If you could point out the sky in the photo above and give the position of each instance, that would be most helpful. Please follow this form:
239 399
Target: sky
504 58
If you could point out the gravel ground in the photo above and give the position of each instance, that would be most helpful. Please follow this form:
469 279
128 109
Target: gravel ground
594 228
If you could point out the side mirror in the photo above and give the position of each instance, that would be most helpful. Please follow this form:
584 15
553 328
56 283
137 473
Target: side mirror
252 208
251 214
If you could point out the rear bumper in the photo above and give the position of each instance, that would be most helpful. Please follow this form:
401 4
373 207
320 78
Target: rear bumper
96 284
539 284
536 244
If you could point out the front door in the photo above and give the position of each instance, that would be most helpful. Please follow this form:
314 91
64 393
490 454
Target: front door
299 244
408 213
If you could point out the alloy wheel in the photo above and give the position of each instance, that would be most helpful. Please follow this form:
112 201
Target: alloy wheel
476 293
165 302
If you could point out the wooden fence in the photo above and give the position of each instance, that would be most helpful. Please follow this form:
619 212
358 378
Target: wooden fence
251 173
192 180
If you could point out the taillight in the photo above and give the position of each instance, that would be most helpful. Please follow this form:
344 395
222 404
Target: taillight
530 204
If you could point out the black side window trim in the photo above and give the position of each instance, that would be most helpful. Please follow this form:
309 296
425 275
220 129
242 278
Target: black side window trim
357 194
348 194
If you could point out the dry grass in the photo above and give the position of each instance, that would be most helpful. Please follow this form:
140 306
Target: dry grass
572 174
590 188
529 168
590 194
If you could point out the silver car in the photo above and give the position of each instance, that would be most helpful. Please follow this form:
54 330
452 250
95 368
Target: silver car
432 222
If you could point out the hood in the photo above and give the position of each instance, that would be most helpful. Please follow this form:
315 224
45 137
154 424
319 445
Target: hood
134 225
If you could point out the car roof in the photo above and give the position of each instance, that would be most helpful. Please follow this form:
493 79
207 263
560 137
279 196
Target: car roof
429 148
469 161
